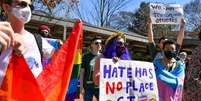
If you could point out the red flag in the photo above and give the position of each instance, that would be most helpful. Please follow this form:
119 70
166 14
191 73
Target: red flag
19 82
53 81
51 85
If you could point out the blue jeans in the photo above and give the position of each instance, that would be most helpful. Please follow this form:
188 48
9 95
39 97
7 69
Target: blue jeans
89 92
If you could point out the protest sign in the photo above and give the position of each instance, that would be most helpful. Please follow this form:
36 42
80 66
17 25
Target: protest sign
166 13
127 81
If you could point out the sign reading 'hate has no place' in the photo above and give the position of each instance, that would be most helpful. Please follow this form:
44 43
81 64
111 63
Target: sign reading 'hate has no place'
127 81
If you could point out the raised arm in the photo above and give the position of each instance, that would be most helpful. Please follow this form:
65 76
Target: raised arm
150 31
151 43
180 35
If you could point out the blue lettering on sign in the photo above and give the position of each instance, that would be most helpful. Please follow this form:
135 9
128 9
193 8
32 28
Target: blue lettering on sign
131 98
128 98
150 72
107 71
144 72
137 72
129 72
151 86
120 98
118 72
121 68
131 86
141 87
114 73
128 84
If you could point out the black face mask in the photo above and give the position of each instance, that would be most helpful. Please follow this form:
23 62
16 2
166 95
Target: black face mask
119 51
44 34
170 54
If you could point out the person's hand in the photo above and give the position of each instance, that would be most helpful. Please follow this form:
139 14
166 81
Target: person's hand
182 24
60 42
81 88
82 91
19 47
6 35
81 94
97 79
115 59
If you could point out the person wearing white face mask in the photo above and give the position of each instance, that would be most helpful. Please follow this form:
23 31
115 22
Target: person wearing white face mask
23 14
23 42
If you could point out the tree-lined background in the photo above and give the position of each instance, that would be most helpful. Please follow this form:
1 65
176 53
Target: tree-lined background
112 14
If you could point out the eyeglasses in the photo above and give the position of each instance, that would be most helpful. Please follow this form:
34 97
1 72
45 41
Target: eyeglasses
23 4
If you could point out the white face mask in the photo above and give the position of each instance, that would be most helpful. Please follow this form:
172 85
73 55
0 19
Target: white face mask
23 14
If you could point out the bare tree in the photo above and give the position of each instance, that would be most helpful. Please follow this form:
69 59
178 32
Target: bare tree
192 12
101 12
60 8
122 20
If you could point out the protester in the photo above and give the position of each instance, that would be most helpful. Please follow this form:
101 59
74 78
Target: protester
44 31
158 53
47 85
183 56
19 13
87 69
116 49
170 74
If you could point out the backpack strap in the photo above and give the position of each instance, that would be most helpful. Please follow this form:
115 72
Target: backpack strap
39 44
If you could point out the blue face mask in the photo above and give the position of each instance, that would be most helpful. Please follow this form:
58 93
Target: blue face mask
170 54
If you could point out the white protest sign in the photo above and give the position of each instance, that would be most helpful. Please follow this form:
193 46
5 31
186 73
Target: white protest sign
166 13
127 81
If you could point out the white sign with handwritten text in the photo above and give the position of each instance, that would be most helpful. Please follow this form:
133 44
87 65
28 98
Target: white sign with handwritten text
166 13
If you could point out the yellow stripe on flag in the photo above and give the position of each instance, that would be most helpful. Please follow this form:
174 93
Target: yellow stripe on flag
78 58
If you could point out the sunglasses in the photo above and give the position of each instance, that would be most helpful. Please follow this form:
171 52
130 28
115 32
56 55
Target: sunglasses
120 43
96 43
23 4
45 32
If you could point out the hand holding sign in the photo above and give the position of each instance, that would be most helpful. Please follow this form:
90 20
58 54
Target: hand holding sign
115 59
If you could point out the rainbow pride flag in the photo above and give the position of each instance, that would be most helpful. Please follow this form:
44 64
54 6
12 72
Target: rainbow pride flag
19 84
72 88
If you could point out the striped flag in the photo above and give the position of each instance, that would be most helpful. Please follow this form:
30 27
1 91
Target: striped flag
72 88
51 85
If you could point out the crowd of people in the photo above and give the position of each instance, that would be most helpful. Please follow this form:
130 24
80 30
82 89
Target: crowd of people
37 49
